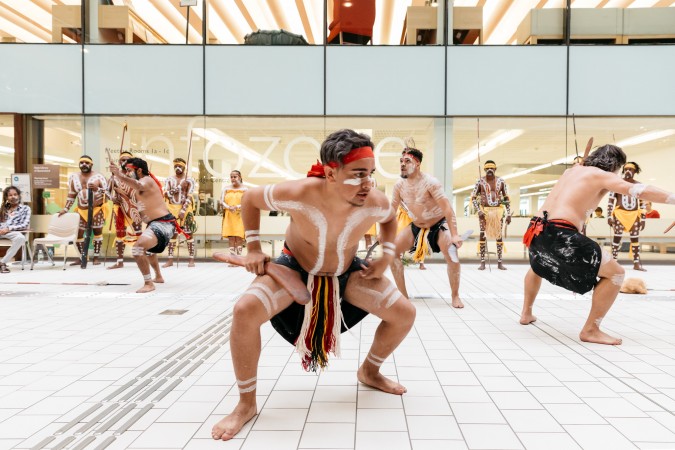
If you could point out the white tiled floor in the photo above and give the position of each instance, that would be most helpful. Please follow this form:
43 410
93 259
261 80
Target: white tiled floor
476 378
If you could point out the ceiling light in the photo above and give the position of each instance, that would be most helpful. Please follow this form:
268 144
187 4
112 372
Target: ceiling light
8 150
645 137
347 4
495 140
59 159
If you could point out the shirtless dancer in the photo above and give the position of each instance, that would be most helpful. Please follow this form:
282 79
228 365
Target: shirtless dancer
566 258
627 213
161 225
490 197
128 223
178 191
330 211
78 183
433 221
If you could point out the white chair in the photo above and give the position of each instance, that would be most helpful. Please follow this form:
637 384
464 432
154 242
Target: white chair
62 230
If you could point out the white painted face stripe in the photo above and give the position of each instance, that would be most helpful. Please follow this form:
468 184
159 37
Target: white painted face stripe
354 181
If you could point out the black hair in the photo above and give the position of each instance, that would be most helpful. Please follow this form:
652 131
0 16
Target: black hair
609 158
338 144
139 163
417 154
5 202
637 167
238 172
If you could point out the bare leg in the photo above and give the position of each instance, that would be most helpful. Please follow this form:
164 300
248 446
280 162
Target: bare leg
532 285
369 240
249 314
172 246
422 266
404 240
604 294
398 315
146 241
454 269
154 263
191 252
119 248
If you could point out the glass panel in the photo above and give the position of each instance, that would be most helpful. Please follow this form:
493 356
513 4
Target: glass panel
6 149
41 21
265 22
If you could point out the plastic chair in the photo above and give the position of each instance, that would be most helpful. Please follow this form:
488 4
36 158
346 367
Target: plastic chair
62 230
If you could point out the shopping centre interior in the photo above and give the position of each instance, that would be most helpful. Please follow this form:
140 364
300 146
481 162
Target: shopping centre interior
256 86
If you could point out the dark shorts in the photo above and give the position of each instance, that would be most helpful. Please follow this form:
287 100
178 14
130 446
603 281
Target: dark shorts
565 257
163 228
432 237
289 321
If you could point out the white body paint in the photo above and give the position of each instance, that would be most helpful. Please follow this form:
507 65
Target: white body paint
356 219
317 219
637 189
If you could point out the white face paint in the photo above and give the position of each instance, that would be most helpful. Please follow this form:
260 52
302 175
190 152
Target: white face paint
359 181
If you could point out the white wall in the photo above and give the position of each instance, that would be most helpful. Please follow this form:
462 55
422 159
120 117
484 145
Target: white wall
41 78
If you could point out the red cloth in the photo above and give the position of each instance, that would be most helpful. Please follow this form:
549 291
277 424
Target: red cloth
317 170
653 214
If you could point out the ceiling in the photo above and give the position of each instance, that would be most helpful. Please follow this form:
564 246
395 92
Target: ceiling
230 20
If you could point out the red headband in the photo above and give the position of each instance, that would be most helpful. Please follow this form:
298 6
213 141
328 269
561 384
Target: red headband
412 156
317 169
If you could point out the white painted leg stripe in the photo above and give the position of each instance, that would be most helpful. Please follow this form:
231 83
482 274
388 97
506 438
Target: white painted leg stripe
373 362
245 382
251 233
262 296
248 389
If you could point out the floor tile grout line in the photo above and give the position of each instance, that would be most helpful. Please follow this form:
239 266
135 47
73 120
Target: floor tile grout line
214 337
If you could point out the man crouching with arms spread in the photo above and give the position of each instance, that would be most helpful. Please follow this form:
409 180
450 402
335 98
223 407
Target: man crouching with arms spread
161 225
330 211
567 258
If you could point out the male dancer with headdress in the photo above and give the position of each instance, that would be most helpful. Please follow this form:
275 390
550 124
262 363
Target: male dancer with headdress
128 223
161 224
565 257
178 191
490 197
627 213
330 211
433 227
78 183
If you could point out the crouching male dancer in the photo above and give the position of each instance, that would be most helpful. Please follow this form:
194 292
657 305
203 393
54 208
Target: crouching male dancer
433 226
330 211
565 257
161 225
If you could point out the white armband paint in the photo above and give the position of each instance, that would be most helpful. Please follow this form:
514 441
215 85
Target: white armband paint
637 189
248 233
269 197
671 199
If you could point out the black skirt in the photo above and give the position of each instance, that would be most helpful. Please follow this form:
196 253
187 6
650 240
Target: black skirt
565 257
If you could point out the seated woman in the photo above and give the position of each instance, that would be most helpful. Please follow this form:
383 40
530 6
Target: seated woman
14 218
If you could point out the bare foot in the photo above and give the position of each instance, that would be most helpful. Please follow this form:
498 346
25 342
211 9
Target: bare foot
457 302
638 266
526 319
147 287
500 266
229 426
482 265
598 337
422 266
76 263
118 265
169 263
378 381
96 261
191 263
158 279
